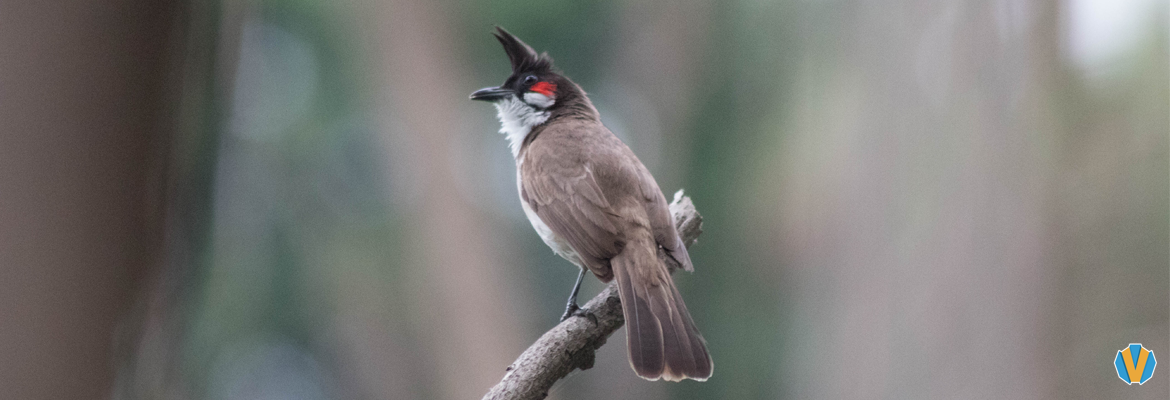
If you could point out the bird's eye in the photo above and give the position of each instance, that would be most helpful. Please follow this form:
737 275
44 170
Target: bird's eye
530 79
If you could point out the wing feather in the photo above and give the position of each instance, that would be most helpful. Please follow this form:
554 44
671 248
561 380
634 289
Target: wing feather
565 192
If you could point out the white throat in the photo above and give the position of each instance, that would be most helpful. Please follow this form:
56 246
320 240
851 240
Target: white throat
517 119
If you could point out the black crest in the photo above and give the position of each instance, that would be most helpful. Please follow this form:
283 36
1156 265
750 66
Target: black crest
523 58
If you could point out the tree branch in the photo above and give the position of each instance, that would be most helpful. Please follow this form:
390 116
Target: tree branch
571 344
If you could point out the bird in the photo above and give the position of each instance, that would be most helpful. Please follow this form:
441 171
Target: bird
596 205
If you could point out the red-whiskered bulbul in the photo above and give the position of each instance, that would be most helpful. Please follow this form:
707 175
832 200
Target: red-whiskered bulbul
596 205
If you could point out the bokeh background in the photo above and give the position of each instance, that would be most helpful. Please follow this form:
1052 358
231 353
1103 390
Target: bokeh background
294 199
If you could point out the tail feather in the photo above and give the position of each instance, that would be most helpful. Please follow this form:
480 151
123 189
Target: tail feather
662 338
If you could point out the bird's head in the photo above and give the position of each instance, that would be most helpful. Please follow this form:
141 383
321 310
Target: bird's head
533 82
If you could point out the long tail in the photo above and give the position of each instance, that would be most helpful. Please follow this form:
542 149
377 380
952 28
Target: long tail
662 339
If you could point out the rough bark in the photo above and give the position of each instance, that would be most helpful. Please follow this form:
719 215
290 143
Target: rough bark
572 343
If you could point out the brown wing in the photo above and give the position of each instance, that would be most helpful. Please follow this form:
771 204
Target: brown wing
568 178
588 187
661 222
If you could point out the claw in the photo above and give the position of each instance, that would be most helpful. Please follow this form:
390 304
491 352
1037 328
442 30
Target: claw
572 310
588 314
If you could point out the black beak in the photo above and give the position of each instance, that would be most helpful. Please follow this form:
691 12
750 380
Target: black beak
491 94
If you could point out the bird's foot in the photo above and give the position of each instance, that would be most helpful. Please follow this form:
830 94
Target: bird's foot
572 310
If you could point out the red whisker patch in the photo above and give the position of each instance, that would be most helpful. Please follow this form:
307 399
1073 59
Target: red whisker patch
544 88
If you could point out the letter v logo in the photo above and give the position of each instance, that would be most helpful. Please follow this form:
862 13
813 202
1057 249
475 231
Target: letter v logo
1135 364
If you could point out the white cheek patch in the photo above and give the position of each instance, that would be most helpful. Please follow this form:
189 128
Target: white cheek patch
517 119
538 99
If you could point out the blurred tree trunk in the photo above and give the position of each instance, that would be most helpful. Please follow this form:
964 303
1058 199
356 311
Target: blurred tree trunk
81 119
661 56
456 273
931 250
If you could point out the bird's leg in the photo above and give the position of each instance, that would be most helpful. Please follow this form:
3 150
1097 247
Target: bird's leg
572 309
